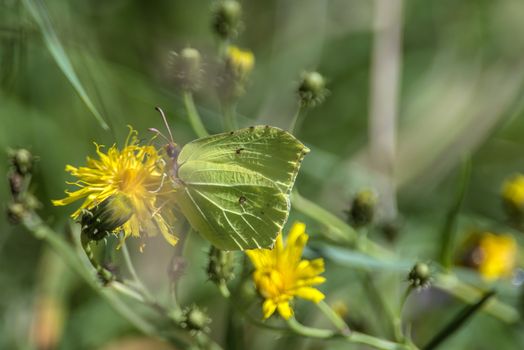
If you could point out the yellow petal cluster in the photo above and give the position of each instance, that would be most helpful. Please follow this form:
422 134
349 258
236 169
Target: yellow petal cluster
241 61
498 254
137 173
281 274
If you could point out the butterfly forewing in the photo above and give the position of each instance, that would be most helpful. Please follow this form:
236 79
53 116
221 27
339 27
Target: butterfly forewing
234 187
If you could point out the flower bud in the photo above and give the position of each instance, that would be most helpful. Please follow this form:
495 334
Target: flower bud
234 77
22 160
312 89
186 69
195 319
362 208
16 212
227 19
420 276
105 218
220 267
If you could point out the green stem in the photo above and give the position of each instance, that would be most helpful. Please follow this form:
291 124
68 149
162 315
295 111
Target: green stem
450 225
224 290
333 317
131 268
338 231
230 119
194 117
353 337
35 225
458 321
294 121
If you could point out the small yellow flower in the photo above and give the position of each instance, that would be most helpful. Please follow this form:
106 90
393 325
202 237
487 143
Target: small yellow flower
280 274
135 173
241 61
513 194
498 254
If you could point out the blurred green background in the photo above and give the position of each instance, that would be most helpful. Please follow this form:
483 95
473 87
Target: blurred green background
460 94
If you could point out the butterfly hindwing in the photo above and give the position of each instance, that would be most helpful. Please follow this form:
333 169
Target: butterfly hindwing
234 187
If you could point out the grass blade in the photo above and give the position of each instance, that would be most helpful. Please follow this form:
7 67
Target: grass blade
39 14
458 321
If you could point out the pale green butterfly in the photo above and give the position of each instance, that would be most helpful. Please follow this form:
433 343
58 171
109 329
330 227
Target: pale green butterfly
234 187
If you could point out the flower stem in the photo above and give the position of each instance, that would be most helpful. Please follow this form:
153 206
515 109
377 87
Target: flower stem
194 117
131 268
35 225
333 317
230 119
353 337
295 121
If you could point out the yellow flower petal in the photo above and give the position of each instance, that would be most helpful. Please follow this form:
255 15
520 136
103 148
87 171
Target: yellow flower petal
285 310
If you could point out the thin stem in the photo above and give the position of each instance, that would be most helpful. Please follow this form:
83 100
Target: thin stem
339 231
131 268
194 117
294 122
333 317
397 319
353 337
34 224
224 290
230 119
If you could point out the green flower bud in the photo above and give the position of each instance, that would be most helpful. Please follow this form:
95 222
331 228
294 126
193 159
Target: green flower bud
195 319
22 160
105 218
420 276
362 208
186 69
220 267
312 89
227 18
16 212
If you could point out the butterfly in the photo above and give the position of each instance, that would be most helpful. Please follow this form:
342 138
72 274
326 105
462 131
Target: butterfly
234 187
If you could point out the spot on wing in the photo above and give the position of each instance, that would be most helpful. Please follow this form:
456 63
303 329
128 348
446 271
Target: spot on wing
242 200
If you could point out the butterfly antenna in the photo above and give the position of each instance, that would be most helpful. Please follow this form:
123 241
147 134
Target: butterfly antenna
156 131
165 122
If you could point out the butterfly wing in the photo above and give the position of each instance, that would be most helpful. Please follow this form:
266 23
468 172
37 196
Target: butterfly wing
234 187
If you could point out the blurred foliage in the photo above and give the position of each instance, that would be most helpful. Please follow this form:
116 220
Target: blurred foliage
461 94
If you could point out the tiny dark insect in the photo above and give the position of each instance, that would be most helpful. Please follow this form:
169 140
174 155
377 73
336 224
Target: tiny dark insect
231 132
239 150
242 200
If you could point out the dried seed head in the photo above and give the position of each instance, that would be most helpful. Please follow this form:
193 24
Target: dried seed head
186 69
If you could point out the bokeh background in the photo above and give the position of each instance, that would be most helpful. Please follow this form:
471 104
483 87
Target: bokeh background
453 74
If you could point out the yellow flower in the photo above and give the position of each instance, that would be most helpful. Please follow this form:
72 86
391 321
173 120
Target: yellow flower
498 255
280 274
241 61
513 193
135 174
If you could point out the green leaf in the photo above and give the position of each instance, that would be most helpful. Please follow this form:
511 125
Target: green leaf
39 13
234 187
